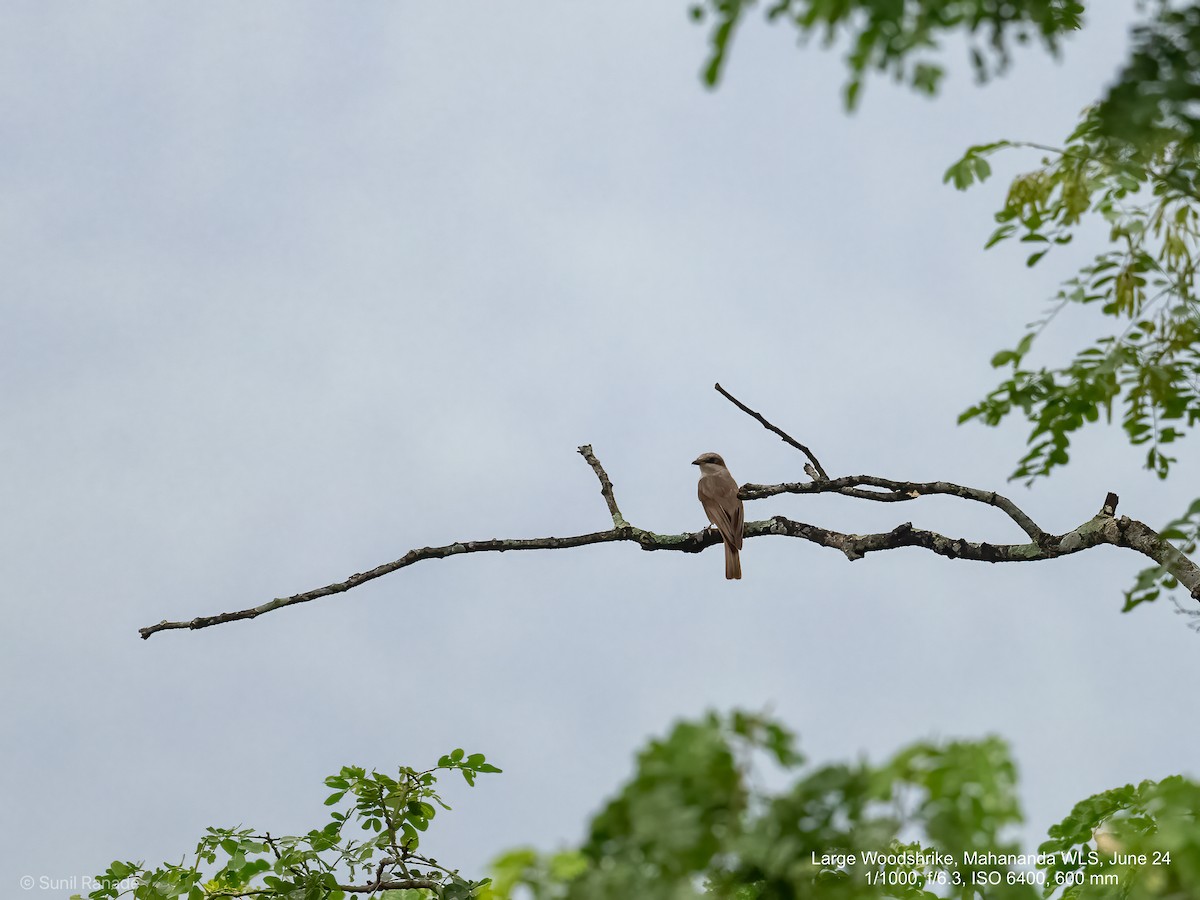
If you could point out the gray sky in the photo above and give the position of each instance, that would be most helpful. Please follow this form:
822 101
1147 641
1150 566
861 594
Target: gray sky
291 288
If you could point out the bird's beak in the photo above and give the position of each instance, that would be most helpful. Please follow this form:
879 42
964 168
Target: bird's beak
696 461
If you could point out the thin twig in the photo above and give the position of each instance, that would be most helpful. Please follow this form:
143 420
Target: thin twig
606 487
767 425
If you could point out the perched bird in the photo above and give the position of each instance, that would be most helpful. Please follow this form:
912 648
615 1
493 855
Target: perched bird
718 494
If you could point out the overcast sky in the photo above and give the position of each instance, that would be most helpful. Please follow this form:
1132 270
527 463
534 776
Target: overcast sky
290 288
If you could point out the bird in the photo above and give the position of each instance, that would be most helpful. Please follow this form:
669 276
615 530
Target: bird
718 494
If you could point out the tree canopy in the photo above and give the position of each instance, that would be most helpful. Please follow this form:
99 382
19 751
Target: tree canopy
697 819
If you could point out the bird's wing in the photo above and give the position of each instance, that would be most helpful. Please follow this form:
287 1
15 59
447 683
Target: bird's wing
722 508
738 520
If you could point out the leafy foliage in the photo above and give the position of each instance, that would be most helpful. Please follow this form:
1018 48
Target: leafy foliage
694 821
1129 842
899 37
241 862
1144 281
1148 367
1153 102
1134 162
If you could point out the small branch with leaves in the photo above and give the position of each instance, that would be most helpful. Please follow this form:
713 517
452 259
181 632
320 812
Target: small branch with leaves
1105 527
394 812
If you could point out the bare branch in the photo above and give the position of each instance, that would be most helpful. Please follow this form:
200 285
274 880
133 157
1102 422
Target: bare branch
900 491
606 487
787 438
413 556
1103 528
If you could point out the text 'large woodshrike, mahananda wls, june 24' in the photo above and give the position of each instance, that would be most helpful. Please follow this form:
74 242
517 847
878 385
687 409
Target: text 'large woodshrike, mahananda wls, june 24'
718 494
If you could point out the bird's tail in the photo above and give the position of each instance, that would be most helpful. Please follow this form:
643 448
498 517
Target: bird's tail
733 563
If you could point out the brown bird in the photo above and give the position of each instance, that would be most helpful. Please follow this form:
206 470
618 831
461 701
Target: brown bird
718 494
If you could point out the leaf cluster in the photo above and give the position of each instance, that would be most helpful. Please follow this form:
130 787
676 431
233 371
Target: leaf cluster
696 821
1145 372
898 37
1153 102
1144 281
1129 842
242 862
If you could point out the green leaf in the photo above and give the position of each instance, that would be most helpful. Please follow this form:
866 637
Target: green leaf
853 88
1002 233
